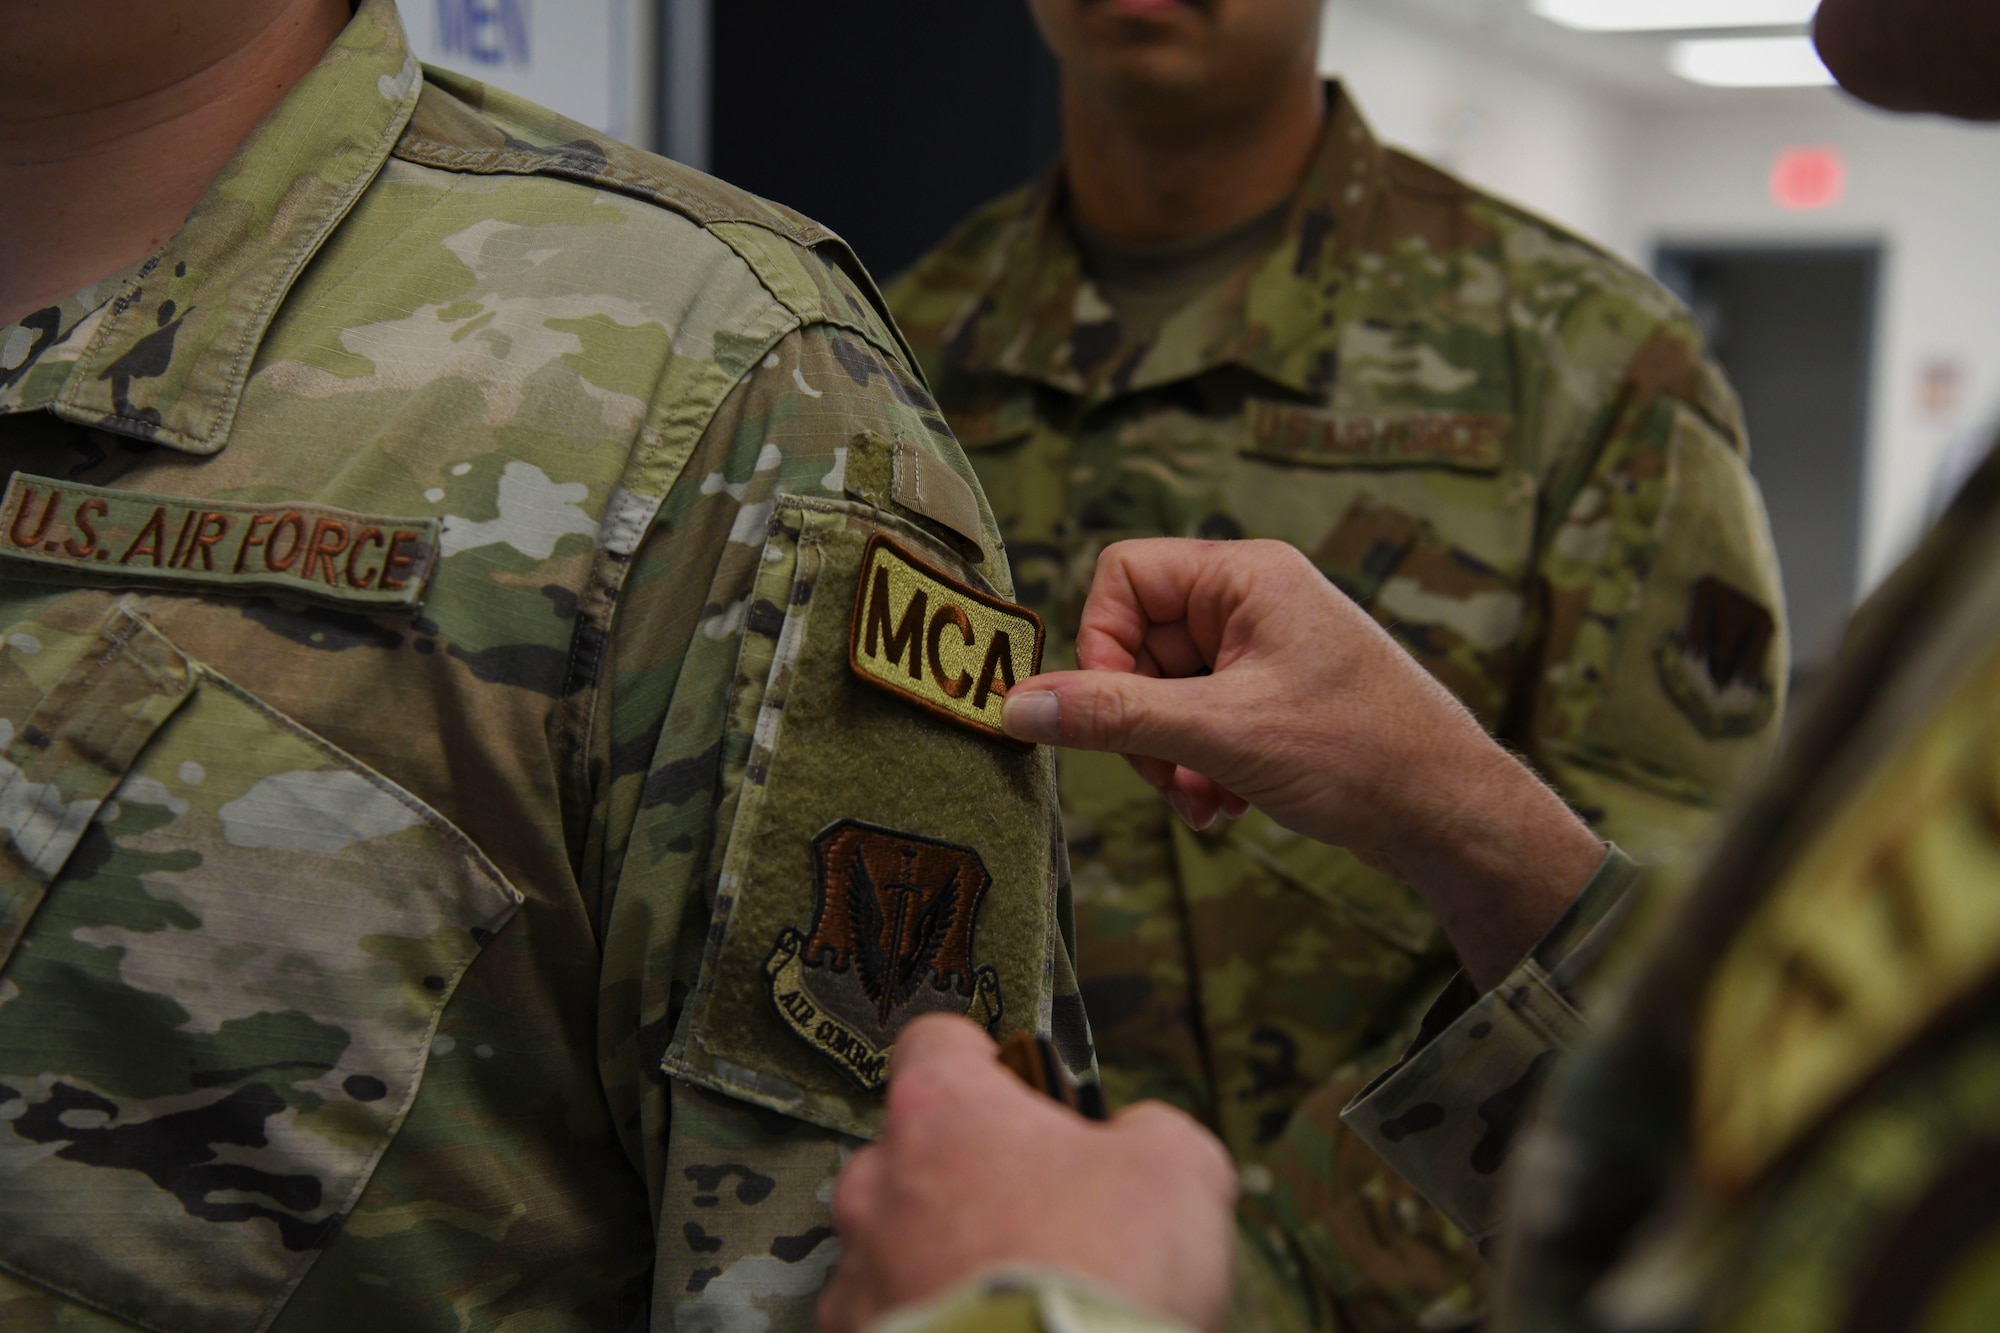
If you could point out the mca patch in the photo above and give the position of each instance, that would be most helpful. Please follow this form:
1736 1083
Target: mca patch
892 938
927 638
1713 669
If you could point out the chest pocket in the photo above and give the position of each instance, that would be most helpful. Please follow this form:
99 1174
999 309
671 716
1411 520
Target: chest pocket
226 946
1473 442
1021 469
993 422
1395 497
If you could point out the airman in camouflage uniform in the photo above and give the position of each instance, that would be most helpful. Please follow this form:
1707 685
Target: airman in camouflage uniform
1790 1121
425 714
1515 452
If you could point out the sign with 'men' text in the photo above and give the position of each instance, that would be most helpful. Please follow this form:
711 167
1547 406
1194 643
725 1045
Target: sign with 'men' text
588 59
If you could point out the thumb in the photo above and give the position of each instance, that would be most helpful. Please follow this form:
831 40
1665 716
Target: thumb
1115 711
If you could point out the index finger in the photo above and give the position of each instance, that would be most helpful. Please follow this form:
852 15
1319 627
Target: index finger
1136 614
933 1039
938 1061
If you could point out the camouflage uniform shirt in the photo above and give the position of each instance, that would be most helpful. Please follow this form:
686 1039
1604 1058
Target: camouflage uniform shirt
452 875
1787 1114
1509 447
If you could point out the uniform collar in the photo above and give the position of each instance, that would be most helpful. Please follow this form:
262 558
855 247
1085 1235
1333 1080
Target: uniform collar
1040 318
169 355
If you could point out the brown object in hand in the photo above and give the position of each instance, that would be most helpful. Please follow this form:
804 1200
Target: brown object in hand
1035 1062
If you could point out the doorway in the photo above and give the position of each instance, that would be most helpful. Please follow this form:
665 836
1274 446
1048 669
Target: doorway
1794 328
888 122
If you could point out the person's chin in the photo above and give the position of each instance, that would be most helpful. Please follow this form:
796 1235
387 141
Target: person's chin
1148 8
1142 14
1933 59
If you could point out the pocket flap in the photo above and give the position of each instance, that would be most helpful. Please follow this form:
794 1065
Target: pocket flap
992 422
1315 437
61 761
225 1001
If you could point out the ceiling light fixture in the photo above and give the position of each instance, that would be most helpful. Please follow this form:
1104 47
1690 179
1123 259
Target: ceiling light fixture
1750 62
1673 15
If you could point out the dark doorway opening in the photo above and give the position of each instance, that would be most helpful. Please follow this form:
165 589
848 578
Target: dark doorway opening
1794 327
887 121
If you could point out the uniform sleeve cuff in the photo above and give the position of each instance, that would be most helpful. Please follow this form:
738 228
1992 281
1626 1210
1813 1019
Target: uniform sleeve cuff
1027 1300
1445 1114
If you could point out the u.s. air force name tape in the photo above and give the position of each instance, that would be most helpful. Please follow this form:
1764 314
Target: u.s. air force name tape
927 638
219 545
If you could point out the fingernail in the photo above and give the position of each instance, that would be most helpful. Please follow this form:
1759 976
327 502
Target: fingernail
1035 716
1178 800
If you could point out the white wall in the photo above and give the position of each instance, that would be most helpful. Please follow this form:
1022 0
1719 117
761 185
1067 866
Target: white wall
1927 190
589 59
1522 133
1631 175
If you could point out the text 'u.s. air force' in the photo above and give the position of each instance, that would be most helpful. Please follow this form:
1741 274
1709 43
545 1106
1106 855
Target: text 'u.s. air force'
937 642
308 550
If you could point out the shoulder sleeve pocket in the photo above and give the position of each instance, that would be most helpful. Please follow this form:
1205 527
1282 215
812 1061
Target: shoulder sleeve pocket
881 862
991 421
225 986
1670 618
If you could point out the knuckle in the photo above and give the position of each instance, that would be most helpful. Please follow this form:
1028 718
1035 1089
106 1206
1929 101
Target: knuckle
850 1193
1166 1131
831 1314
1220 1166
1104 713
913 1096
1112 715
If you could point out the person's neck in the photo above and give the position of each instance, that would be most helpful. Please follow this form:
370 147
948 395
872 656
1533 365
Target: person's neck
110 132
1137 182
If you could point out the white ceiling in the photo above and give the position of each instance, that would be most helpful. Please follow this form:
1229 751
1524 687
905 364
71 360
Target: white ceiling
1629 66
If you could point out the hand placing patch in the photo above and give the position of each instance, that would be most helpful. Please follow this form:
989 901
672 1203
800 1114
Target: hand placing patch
1713 669
892 939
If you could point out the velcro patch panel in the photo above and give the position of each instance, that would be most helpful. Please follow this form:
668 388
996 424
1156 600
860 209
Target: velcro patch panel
936 642
306 550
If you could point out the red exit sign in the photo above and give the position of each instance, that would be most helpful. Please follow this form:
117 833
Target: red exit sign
1804 179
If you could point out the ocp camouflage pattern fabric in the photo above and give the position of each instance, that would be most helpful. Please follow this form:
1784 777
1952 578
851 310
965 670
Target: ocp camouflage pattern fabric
1509 447
1790 1119
1788 1115
1027 1300
387 948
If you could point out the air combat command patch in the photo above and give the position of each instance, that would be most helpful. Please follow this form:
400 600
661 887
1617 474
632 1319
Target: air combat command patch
927 638
892 939
1713 669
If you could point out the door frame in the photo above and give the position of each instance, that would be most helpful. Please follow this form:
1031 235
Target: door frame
1673 259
